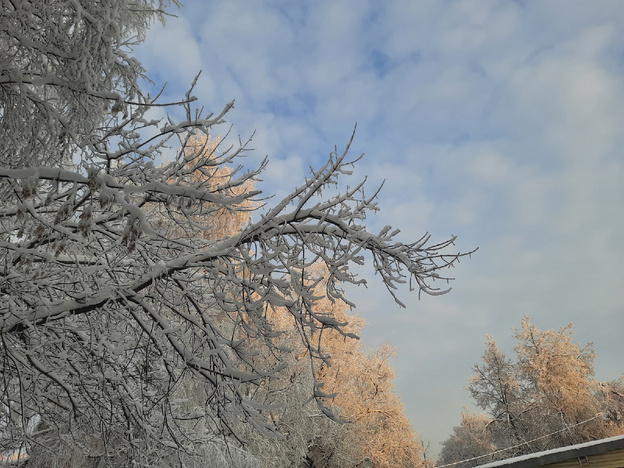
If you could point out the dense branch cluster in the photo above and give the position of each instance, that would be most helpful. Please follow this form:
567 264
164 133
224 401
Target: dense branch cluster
64 66
120 295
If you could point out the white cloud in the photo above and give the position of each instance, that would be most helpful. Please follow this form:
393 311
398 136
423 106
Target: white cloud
491 166
171 53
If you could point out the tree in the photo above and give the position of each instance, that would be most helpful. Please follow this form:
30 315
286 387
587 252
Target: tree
113 300
377 426
470 444
546 397
65 66
610 399
560 374
357 388
496 388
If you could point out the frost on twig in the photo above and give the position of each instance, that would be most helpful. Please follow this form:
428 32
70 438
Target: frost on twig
114 285
133 313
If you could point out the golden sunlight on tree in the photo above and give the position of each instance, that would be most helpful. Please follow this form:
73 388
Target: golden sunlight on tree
204 168
208 171
546 398
368 417
562 376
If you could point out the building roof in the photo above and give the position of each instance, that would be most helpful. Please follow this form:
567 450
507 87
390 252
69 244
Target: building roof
13 458
560 454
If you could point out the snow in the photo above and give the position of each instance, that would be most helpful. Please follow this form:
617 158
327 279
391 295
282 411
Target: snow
561 453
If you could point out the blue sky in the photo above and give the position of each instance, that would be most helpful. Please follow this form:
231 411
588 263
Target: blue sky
496 121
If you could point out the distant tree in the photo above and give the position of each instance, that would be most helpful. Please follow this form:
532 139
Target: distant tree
355 385
116 283
497 389
610 399
470 444
546 398
560 375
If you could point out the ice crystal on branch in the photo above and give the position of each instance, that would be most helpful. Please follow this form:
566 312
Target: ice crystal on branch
137 298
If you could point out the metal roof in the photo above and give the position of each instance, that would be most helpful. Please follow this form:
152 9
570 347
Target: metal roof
560 454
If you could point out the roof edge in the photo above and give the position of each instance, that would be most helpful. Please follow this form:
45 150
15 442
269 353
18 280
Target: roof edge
595 447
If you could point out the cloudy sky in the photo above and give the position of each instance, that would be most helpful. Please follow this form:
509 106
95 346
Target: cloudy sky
496 121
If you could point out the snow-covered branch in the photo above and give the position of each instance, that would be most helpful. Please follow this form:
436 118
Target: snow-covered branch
127 283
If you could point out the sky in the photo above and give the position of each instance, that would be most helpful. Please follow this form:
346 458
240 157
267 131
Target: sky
499 122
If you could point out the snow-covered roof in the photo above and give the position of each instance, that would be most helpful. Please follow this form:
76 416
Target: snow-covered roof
547 457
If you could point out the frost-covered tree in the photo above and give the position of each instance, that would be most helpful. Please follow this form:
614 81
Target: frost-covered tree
129 323
610 399
496 388
560 375
470 444
546 397
65 65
